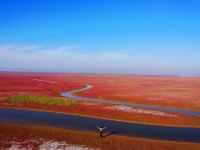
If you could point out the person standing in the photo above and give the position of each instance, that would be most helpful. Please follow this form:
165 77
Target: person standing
101 130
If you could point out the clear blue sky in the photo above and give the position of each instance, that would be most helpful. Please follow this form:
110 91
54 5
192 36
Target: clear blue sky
101 36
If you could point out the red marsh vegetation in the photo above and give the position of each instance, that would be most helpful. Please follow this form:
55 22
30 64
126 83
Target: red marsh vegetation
167 91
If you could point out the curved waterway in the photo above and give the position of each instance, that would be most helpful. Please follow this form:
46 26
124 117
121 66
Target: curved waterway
69 94
89 124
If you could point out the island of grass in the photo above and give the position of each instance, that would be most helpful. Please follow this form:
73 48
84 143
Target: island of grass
42 100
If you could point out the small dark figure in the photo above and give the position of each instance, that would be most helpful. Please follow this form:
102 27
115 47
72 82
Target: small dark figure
101 129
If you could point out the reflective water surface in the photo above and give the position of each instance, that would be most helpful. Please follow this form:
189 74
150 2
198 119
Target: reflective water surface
89 124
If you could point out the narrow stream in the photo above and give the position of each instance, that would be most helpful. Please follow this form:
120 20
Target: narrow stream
69 94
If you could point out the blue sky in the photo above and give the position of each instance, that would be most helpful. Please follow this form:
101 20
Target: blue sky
101 36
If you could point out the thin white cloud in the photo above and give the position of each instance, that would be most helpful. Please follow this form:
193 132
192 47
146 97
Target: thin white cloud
68 59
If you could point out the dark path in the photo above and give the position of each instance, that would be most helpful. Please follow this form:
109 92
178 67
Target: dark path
89 124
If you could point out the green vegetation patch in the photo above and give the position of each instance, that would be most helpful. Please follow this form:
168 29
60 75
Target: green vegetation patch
42 100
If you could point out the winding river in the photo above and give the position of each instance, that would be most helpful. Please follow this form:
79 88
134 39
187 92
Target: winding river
69 94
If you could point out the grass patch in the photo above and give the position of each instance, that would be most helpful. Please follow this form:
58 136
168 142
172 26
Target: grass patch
42 100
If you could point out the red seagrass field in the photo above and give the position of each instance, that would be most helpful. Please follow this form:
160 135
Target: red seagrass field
167 91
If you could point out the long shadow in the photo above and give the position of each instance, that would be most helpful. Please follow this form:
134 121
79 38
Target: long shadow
110 133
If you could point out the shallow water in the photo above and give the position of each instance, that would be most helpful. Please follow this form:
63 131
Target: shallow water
89 124
69 94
